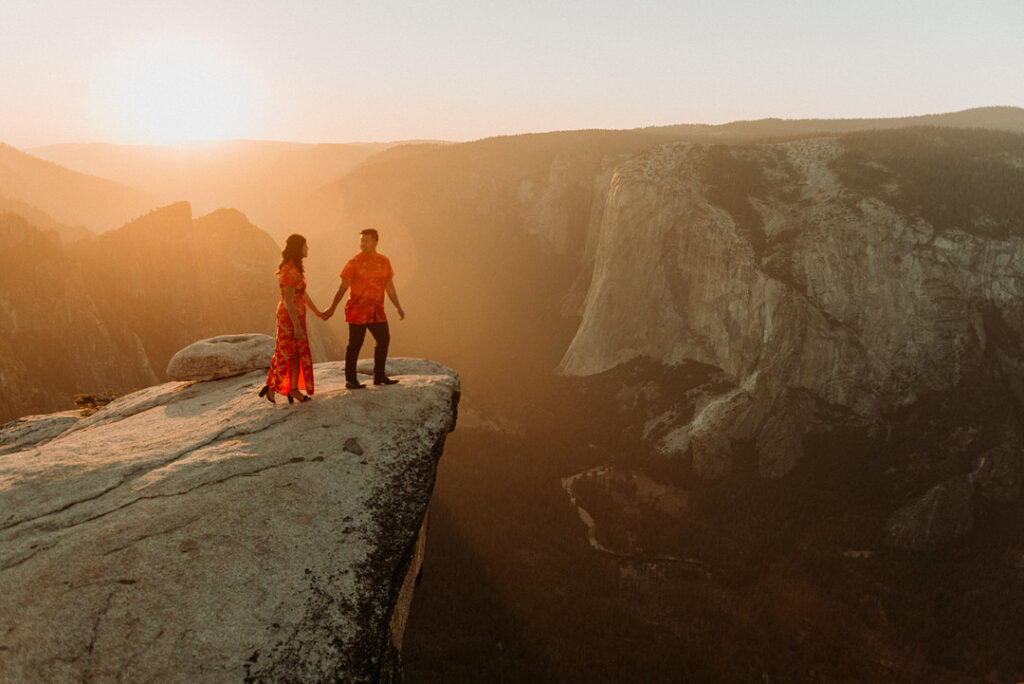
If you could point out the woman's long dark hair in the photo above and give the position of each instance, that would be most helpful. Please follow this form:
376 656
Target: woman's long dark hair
293 252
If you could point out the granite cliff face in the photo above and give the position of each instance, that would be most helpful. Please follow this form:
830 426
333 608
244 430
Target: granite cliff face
194 532
823 303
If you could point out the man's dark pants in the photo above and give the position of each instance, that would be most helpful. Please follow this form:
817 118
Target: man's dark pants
356 335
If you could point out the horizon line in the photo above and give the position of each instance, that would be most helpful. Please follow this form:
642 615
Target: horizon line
449 141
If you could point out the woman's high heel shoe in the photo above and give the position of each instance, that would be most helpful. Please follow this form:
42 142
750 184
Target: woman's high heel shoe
301 397
265 392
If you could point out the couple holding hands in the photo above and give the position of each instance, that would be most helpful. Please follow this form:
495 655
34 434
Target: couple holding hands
369 275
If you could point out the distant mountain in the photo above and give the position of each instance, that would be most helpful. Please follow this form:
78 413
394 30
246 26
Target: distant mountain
265 180
108 312
43 221
995 118
69 197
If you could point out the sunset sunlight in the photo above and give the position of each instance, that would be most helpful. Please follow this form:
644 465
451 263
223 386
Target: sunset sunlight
176 91
523 342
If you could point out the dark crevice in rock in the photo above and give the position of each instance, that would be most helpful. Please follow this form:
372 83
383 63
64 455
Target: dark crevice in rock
26 558
96 624
250 473
23 521
154 534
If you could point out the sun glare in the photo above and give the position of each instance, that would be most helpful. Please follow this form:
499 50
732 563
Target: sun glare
176 92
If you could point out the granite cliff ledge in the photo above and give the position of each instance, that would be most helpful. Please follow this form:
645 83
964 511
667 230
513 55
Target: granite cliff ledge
193 532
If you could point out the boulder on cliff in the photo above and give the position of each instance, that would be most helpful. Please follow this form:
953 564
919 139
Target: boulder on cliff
222 357
195 532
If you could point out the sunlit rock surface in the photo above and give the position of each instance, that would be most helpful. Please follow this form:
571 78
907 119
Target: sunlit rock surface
195 532
819 301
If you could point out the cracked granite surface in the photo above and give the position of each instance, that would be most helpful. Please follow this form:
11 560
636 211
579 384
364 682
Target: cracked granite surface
192 531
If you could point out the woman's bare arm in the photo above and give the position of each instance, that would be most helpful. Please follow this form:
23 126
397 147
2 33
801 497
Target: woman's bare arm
337 298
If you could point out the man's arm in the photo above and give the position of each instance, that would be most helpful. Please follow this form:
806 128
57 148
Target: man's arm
393 296
337 298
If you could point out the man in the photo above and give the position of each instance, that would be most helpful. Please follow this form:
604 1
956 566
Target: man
370 276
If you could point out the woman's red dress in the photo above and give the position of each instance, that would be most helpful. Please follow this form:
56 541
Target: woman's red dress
279 378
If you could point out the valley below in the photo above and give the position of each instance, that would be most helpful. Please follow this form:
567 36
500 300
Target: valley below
778 581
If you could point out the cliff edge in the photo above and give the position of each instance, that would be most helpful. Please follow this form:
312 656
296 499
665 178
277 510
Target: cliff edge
191 531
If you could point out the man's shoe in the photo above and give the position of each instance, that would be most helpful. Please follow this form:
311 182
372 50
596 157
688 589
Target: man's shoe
384 381
354 385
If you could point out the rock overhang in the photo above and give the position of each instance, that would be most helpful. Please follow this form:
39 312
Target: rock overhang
201 527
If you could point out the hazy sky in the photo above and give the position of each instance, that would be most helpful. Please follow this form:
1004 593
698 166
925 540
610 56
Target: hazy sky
335 71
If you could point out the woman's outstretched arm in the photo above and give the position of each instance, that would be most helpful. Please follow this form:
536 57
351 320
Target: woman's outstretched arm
312 307
337 298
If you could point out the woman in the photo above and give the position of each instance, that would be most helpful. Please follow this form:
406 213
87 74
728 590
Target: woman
291 369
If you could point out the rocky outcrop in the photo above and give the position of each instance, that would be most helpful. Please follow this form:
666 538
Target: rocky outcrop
942 515
195 532
822 301
221 357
